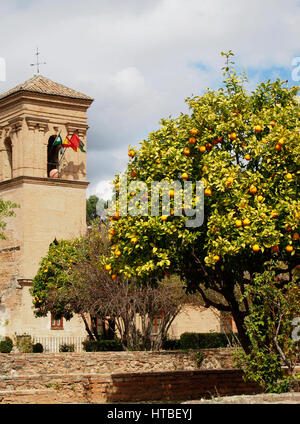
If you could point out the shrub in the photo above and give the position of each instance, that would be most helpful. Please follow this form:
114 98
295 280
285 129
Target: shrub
171 344
102 345
24 343
67 347
205 340
6 345
189 341
37 348
200 358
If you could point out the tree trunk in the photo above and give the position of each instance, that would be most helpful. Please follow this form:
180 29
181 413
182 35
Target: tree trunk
239 318
87 327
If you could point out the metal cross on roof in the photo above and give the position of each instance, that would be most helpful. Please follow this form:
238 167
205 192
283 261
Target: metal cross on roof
37 64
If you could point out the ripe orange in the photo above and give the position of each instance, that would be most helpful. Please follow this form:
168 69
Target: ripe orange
232 136
164 217
275 248
194 132
289 176
246 221
296 236
131 153
272 123
274 214
260 198
216 258
229 181
133 174
256 248
185 176
192 140
117 252
253 189
208 192
247 157
114 276
134 240
202 149
186 151
107 267
258 128
278 147
238 223
289 248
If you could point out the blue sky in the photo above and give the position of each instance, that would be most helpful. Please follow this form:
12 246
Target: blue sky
141 59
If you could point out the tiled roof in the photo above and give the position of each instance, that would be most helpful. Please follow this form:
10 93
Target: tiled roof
40 84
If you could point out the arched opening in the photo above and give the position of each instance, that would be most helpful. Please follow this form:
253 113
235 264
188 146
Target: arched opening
8 160
52 155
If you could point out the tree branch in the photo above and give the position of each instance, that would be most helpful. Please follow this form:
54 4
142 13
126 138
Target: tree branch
209 302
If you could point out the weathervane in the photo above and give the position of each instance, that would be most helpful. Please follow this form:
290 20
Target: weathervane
37 64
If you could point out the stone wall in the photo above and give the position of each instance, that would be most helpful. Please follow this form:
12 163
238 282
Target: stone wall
114 377
123 387
17 364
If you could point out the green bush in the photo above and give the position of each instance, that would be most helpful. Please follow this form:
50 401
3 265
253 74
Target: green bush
37 348
6 345
199 359
204 340
189 341
171 344
24 343
67 347
102 345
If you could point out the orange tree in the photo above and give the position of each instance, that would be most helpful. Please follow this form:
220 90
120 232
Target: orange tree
245 148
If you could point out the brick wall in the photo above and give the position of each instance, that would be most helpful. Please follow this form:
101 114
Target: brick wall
178 385
15 364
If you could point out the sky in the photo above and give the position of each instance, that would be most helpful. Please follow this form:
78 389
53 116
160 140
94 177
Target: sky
139 59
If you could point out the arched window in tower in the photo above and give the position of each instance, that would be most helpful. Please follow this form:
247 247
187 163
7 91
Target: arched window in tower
8 160
52 155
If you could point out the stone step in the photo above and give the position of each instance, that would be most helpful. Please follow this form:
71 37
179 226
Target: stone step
41 396
71 382
54 388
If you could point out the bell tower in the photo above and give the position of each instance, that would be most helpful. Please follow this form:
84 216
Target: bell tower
32 115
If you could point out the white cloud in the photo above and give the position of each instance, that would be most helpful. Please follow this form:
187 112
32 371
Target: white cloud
103 190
